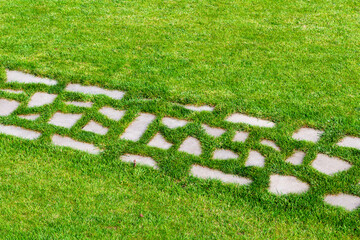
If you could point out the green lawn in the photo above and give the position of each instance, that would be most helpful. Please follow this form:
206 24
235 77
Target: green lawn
293 62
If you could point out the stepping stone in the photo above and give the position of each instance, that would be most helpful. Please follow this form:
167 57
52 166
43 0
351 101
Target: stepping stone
139 160
173 122
215 132
111 113
19 77
255 159
138 127
94 127
329 165
12 91
347 201
40 99
307 134
160 142
31 117
207 173
7 107
296 159
223 154
205 108
93 90
192 146
66 120
240 136
58 140
270 144
19 132
280 185
242 118
80 104
351 142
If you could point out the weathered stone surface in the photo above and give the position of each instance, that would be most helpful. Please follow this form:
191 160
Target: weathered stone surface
192 146
347 201
138 127
12 91
19 132
307 134
329 165
270 144
207 173
351 142
215 132
31 117
242 118
173 122
66 120
199 108
255 159
58 140
40 99
286 184
297 158
94 127
113 114
141 160
80 104
15 76
160 142
240 136
223 154
7 107
93 90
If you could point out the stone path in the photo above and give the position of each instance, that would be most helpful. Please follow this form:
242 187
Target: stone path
190 146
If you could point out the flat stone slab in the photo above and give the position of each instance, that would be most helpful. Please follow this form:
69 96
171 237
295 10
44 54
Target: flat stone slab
191 146
160 142
58 140
19 132
203 108
240 136
7 107
347 201
173 122
223 154
20 77
66 120
242 118
112 114
280 185
307 134
137 159
215 132
96 128
351 142
207 173
40 99
329 165
255 159
12 91
138 127
31 117
296 159
93 90
80 104
270 144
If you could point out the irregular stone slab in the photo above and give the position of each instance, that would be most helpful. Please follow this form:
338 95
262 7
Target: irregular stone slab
160 142
240 136
297 158
93 90
255 159
215 132
223 154
270 144
12 91
173 122
40 99
192 146
80 104
199 108
307 134
19 77
58 140
329 165
280 185
207 173
66 120
139 160
351 142
19 132
31 117
94 127
7 107
138 127
347 201
111 113
242 118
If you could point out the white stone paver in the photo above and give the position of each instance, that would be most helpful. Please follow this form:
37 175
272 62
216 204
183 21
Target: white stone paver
192 146
93 90
96 128
40 99
58 140
173 122
270 144
111 113
224 154
280 185
347 201
255 159
31 117
215 132
207 173
141 160
138 127
80 104
7 107
240 136
329 165
19 132
296 159
351 142
242 118
66 120
203 108
12 91
307 134
160 142
20 77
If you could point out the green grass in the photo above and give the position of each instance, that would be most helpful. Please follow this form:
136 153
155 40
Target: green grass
293 62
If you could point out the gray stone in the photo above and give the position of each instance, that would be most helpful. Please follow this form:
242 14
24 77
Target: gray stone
31 117
307 134
270 144
7 107
255 159
160 142
94 127
297 158
223 154
12 91
205 108
93 90
58 140
347 201
242 118
280 185
80 104
192 146
40 99
329 165
207 173
19 132
351 142
66 120
173 122
138 127
141 160
240 136
19 77
215 132
111 113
